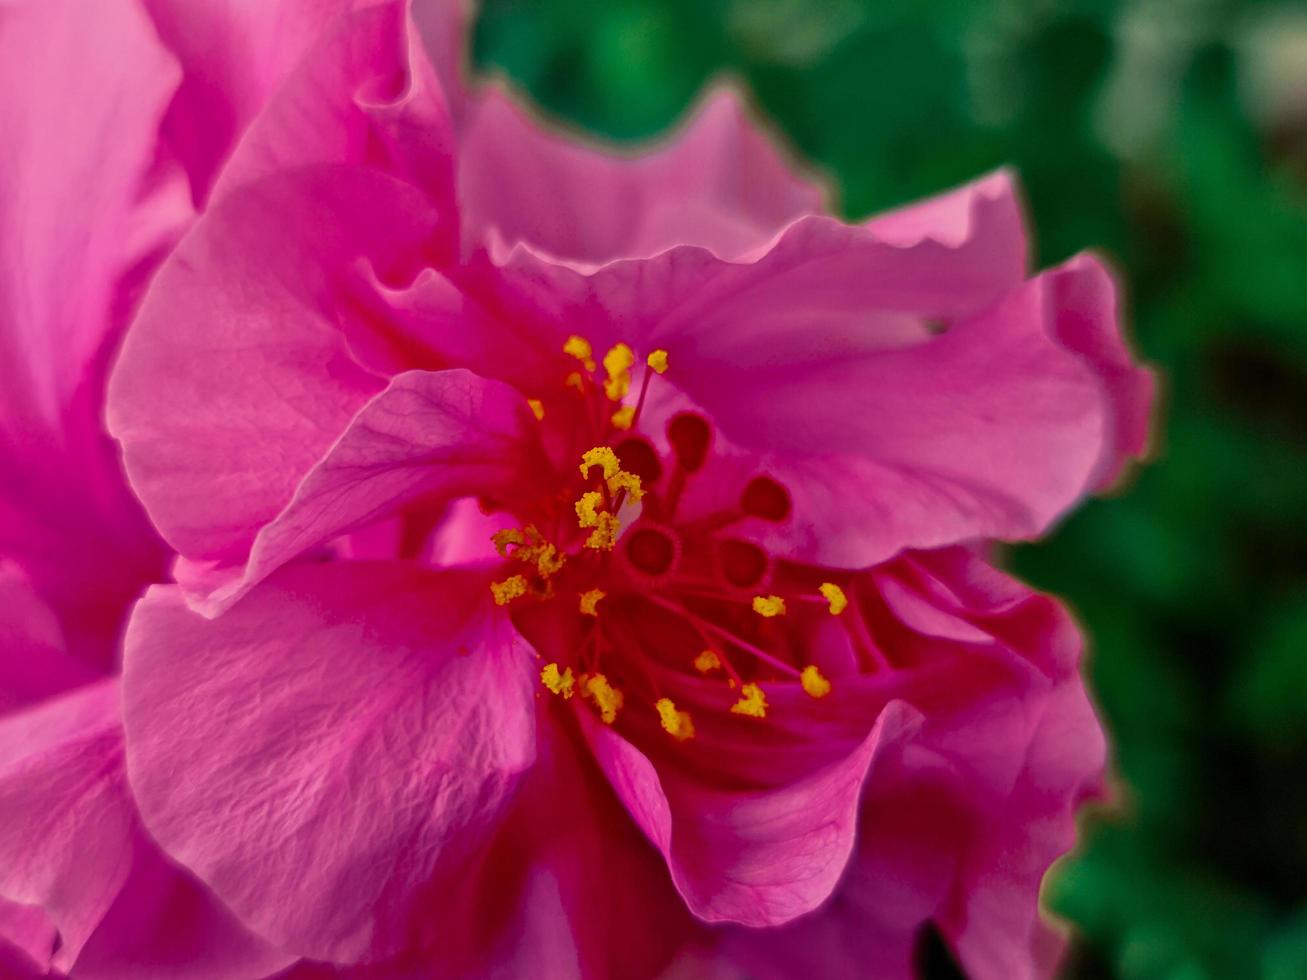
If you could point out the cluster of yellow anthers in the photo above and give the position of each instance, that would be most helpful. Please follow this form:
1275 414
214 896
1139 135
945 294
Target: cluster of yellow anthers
590 506
617 370
565 684
528 546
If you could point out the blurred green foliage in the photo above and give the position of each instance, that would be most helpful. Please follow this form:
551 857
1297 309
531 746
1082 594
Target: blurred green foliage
1171 135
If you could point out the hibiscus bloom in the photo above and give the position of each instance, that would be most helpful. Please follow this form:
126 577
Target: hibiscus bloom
583 558
116 117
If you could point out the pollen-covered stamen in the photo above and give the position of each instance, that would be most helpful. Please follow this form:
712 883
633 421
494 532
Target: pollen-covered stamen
604 458
617 364
509 589
537 408
769 606
589 603
707 662
814 684
563 684
606 698
835 596
622 483
588 507
581 349
604 536
753 702
677 724
657 361
623 418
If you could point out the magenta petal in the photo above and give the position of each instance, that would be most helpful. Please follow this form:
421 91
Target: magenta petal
719 184
757 858
67 836
35 663
236 375
349 732
430 436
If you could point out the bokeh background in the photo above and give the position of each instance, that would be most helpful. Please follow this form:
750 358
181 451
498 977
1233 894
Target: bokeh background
1172 136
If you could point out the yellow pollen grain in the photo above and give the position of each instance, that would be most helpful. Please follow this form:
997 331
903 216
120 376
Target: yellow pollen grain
753 702
503 539
537 408
558 683
630 482
587 508
580 348
617 363
768 606
549 560
508 590
707 662
677 724
590 600
607 698
658 361
603 537
574 380
835 596
813 683
601 456
624 417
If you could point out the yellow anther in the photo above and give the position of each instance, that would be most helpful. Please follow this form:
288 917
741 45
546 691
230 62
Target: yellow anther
508 590
537 408
587 508
706 662
508 536
624 417
835 596
630 482
563 684
813 683
580 348
607 698
617 362
604 536
601 456
590 600
768 606
677 724
658 361
549 560
574 380
753 702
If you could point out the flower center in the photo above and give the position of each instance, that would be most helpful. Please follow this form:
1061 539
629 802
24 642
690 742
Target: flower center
617 541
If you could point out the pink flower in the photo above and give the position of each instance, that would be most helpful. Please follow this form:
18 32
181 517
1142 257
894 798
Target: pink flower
581 559
116 116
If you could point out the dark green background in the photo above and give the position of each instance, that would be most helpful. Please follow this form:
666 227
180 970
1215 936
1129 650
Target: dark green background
1166 135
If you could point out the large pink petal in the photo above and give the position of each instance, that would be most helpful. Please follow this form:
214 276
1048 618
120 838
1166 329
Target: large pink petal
720 184
82 90
236 375
349 732
66 839
992 429
430 437
71 845
234 54
363 95
753 857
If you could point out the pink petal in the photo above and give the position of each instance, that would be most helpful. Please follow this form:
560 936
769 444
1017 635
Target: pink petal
719 184
384 719
758 858
1089 324
363 95
35 663
27 940
71 845
66 840
431 437
992 429
236 376
82 90
233 55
